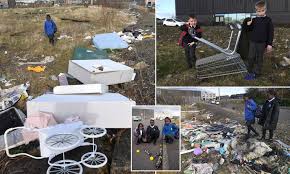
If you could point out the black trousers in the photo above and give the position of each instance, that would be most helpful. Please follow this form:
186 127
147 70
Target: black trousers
271 133
190 54
169 139
153 138
250 127
255 58
51 39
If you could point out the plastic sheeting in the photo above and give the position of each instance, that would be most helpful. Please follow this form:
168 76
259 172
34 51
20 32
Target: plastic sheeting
109 41
87 54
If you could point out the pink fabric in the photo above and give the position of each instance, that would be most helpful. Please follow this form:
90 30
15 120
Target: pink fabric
37 120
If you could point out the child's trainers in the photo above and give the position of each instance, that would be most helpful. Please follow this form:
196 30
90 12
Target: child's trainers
250 76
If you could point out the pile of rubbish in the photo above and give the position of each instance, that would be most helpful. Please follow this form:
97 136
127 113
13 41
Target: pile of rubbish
215 146
134 35
95 70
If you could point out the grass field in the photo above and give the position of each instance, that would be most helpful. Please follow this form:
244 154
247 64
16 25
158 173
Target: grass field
22 39
172 67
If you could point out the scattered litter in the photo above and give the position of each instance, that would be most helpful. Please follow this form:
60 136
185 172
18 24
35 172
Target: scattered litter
203 168
6 83
287 60
53 77
88 38
36 69
64 37
141 65
10 96
47 59
5 52
224 143
148 36
130 48
62 78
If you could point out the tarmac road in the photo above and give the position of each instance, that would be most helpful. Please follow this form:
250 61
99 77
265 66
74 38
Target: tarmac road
283 128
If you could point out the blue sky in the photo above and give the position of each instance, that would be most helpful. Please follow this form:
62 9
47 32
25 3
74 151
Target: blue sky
165 8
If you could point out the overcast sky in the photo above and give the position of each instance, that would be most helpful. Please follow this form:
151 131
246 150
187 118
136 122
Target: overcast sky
161 110
165 8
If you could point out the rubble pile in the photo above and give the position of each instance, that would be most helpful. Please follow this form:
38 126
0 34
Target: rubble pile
218 146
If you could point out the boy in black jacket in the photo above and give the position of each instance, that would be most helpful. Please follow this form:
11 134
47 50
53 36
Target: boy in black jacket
152 132
262 33
186 40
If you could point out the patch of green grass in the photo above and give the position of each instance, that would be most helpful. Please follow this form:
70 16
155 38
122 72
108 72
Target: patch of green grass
172 67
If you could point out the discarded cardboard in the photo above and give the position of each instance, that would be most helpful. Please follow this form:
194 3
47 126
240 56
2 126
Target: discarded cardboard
109 41
81 89
102 71
109 110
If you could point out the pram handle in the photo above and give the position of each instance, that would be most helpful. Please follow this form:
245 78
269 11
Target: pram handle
19 154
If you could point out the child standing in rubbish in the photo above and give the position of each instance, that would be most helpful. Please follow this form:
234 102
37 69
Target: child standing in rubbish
250 107
169 130
261 38
190 30
50 29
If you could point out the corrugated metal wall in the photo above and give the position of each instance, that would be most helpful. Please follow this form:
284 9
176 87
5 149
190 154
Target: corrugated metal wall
279 10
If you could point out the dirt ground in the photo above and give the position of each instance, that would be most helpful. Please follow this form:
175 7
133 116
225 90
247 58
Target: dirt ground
172 67
22 38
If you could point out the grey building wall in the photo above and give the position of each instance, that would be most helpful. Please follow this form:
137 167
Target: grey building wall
278 10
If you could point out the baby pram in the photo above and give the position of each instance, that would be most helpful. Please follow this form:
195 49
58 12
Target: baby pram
227 62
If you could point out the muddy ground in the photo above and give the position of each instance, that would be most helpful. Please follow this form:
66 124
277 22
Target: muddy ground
172 67
22 39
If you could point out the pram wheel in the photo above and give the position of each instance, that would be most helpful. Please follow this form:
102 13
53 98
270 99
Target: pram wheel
65 167
94 159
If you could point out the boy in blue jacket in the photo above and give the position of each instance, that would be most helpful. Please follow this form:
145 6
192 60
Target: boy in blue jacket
50 29
250 107
169 130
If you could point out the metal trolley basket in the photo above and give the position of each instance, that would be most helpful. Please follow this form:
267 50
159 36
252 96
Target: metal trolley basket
227 62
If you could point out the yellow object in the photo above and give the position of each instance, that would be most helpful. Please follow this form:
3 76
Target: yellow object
148 36
137 150
36 68
151 158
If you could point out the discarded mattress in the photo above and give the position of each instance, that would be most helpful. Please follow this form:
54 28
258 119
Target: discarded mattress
81 89
102 71
87 54
109 41
109 110
9 118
